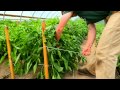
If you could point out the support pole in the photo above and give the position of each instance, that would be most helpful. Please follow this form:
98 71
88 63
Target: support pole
45 52
9 53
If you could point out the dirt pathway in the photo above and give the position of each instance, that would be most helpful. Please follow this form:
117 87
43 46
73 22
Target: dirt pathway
5 73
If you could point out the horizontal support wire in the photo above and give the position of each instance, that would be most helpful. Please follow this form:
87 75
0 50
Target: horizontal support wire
61 49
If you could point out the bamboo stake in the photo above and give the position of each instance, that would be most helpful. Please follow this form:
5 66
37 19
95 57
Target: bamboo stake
9 53
45 52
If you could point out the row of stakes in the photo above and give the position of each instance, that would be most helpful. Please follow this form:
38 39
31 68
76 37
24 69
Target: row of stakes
44 52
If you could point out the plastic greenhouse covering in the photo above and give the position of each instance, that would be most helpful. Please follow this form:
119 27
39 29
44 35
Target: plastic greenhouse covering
26 15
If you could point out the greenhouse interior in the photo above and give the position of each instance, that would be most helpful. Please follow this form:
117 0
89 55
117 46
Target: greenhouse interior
29 49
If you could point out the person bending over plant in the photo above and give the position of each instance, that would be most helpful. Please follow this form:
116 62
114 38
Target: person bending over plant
108 47
91 18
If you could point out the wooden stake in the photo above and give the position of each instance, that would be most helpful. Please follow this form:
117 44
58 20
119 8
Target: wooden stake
45 52
9 53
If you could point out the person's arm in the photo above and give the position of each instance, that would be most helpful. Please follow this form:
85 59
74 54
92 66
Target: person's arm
90 40
63 21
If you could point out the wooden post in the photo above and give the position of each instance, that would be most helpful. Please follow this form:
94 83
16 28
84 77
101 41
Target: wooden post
9 53
45 52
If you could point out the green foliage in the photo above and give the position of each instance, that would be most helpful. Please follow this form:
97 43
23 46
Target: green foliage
67 56
27 51
99 27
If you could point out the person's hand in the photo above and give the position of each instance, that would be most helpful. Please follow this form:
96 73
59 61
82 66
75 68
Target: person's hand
86 51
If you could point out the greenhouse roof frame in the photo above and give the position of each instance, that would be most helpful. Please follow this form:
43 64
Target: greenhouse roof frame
32 14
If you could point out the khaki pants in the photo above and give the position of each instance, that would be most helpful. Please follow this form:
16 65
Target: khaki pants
108 49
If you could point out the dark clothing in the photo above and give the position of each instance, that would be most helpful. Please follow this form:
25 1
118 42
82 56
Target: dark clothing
91 16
